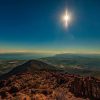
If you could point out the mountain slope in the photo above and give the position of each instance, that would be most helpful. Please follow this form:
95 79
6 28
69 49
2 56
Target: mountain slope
30 66
36 80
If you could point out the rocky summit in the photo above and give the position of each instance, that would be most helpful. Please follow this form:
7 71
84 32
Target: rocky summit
36 80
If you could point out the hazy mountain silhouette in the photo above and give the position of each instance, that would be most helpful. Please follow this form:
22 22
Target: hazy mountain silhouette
30 66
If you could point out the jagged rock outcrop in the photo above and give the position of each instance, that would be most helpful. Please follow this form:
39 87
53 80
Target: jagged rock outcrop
86 87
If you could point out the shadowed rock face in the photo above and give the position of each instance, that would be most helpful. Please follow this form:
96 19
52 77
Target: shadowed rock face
86 87
36 80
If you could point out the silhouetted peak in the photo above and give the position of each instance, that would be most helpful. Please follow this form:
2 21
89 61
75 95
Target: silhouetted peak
30 66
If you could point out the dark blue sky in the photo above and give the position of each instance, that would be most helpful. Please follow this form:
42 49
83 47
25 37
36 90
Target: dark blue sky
35 24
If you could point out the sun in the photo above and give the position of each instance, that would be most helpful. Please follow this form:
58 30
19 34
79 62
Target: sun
66 18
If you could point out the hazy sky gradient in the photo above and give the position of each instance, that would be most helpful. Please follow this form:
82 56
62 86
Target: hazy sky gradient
31 25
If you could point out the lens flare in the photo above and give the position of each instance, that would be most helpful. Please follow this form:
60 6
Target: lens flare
66 18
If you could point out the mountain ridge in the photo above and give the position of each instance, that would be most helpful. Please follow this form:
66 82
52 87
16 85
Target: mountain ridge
30 66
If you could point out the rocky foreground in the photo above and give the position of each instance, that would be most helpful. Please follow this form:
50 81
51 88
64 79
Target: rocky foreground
48 85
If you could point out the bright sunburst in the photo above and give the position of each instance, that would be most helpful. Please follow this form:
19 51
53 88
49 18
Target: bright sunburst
66 18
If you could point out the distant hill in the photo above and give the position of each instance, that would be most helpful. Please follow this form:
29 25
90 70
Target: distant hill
21 56
30 66
82 64
70 55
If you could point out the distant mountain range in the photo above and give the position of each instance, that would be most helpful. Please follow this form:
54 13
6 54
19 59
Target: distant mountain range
28 56
70 55
21 56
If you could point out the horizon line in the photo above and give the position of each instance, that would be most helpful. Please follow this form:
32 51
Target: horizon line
52 52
